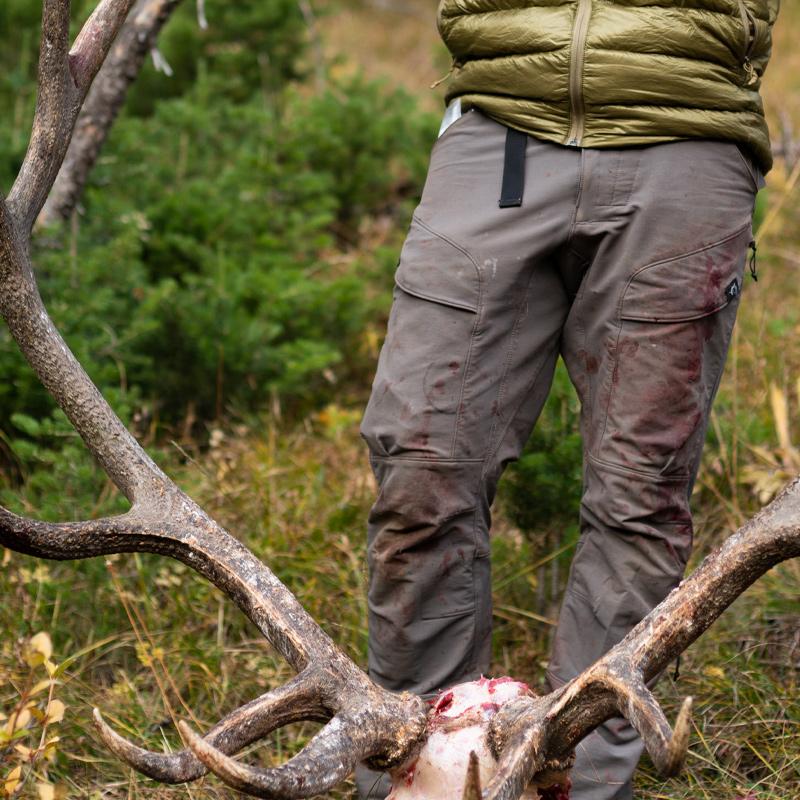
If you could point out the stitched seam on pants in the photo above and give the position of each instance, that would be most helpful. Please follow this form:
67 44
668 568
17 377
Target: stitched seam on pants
454 244
579 197
478 315
494 447
614 368
463 612
727 238
657 477
473 651
579 316
751 170
416 220
429 460
467 364
579 593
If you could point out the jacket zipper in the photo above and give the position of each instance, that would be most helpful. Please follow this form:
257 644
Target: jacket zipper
576 63
749 25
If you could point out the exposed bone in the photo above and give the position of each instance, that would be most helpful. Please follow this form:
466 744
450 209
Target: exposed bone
456 759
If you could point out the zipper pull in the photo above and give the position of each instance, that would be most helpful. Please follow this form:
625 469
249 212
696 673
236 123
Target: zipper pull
750 73
441 80
753 271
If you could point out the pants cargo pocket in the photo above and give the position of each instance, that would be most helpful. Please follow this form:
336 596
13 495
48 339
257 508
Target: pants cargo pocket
675 323
416 396
451 592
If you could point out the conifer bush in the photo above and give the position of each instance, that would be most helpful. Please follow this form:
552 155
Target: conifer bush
216 261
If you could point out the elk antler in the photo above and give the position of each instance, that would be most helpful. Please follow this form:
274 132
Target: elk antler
528 732
107 96
363 721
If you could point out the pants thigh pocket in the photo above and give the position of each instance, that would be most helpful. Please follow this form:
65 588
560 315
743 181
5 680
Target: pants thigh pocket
675 322
416 396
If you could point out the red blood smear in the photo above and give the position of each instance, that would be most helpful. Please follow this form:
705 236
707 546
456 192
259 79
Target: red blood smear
491 684
443 703
556 792
408 778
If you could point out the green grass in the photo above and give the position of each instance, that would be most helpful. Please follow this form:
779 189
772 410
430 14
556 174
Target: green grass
158 641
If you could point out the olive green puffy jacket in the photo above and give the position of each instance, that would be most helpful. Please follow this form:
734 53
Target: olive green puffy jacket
611 73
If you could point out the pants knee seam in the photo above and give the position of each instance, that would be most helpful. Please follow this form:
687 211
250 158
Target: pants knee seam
655 477
428 460
494 443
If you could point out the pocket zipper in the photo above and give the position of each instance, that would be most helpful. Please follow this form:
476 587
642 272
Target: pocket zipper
749 27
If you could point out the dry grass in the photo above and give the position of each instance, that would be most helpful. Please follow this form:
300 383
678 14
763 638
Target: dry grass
391 39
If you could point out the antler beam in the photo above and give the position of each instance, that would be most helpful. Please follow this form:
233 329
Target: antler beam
361 717
616 684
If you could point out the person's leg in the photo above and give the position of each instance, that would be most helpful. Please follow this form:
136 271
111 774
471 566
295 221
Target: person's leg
472 342
665 230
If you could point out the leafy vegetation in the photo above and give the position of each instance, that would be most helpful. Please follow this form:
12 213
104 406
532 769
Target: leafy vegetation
215 265
226 284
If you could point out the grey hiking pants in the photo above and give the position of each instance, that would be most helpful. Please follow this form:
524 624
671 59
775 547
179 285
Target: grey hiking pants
629 264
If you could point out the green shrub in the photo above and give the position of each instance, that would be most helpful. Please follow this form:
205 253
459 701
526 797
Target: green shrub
543 488
212 268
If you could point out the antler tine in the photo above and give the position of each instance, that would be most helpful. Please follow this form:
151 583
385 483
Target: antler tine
95 39
667 748
50 123
66 540
617 682
521 758
297 700
103 102
472 784
63 80
196 540
326 760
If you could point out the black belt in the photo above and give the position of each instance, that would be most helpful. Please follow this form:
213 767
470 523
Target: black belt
513 169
